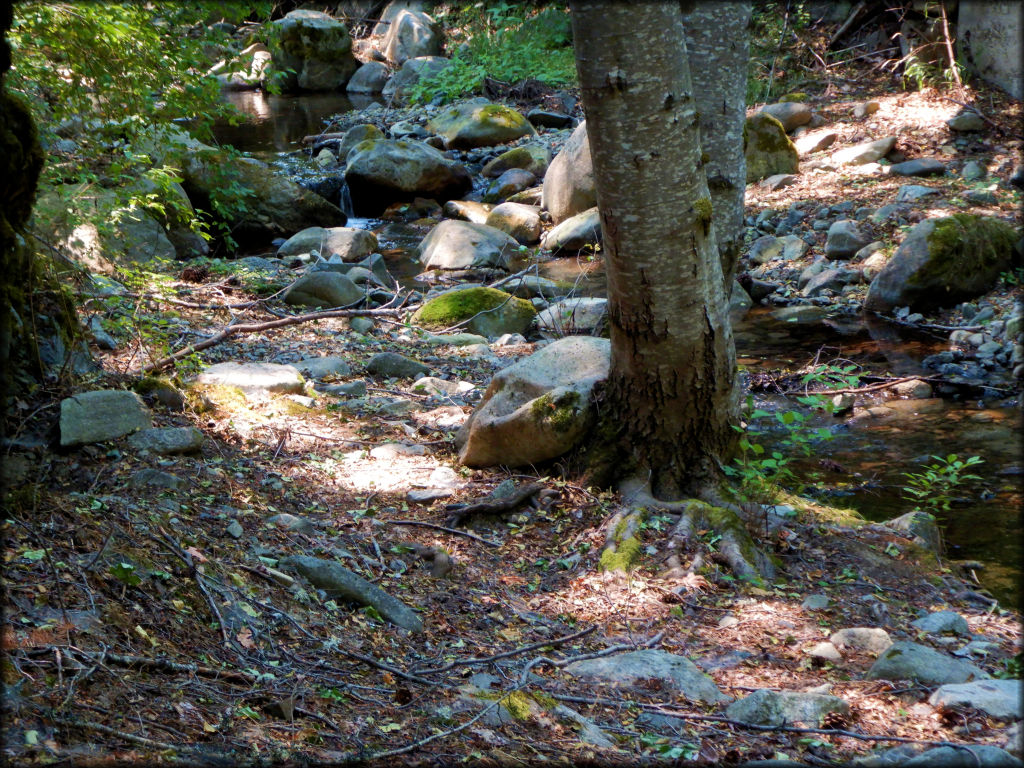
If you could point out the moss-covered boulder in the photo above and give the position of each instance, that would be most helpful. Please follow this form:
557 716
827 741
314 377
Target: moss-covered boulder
538 408
767 148
533 157
311 51
455 244
357 134
943 262
489 312
479 124
385 171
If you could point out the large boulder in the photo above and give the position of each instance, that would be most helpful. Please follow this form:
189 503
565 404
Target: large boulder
131 235
385 171
349 243
323 289
104 414
371 77
792 114
768 149
356 135
582 315
411 34
943 262
538 408
533 157
569 181
479 124
489 312
274 206
455 244
246 71
411 72
311 51
519 221
575 233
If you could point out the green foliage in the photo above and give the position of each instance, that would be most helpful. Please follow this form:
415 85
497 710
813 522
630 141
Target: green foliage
773 28
761 472
503 41
104 74
932 490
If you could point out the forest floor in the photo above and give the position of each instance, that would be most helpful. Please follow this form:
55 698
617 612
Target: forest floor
138 627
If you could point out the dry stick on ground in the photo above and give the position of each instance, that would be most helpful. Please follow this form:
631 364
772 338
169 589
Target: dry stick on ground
194 571
953 67
163 665
508 654
140 740
453 531
233 330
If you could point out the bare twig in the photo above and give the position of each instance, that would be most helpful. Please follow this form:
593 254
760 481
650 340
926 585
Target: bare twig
453 531
233 330
507 654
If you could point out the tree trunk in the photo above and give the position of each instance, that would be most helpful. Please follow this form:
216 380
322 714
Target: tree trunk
21 161
670 401
718 51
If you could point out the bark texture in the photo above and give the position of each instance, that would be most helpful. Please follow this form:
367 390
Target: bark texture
718 50
670 402
21 160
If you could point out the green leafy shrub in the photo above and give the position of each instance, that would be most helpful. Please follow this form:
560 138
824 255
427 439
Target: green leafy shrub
932 490
501 41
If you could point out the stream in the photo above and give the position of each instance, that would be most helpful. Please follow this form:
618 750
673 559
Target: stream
882 439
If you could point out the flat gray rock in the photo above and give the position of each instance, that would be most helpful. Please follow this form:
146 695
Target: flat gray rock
392 364
254 378
924 166
634 669
342 584
868 152
156 478
104 414
980 756
165 441
908 193
943 621
845 238
764 707
996 698
911 661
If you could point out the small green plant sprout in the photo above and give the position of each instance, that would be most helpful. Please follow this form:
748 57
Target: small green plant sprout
932 490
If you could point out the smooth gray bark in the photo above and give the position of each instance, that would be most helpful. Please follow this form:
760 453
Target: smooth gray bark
670 400
718 51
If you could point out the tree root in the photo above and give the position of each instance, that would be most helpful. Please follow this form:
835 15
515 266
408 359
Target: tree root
734 545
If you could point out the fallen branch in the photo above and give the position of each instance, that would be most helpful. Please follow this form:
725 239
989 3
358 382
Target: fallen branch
162 665
234 330
453 531
140 740
459 512
507 654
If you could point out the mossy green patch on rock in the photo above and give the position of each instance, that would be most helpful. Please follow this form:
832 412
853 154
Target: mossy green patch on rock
767 148
518 705
560 412
489 311
944 261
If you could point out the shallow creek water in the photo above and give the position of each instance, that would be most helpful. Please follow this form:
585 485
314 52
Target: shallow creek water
880 441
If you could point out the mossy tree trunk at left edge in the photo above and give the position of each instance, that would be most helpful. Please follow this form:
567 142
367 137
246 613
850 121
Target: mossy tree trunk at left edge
21 161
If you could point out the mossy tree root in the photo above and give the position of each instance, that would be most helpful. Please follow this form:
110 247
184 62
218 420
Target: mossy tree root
734 546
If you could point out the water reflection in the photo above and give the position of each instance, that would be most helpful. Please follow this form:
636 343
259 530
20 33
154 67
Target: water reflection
277 123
